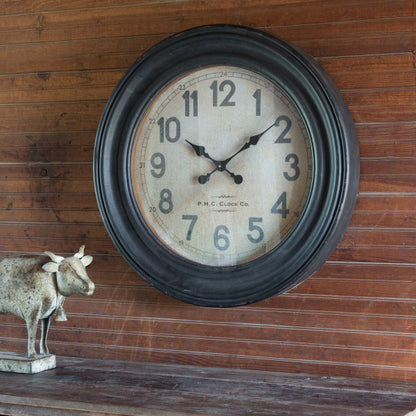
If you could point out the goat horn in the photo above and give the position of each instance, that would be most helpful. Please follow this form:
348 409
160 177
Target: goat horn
80 253
54 257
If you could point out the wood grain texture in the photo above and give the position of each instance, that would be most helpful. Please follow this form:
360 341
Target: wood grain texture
59 62
166 390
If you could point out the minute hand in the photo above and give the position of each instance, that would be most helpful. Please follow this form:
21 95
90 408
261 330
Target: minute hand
252 141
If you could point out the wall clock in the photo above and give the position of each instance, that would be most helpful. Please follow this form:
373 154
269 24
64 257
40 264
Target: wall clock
226 166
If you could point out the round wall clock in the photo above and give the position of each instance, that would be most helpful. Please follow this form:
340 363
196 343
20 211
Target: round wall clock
226 166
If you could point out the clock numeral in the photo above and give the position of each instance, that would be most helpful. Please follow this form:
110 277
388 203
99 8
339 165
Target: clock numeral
193 219
257 97
165 203
158 163
282 137
281 202
188 97
231 90
221 241
169 130
293 159
256 228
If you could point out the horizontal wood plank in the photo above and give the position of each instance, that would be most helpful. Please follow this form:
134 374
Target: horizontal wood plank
64 216
384 220
49 117
55 244
387 183
383 237
70 231
375 254
382 203
48 201
27 6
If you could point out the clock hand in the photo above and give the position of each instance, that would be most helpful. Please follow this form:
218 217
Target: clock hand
200 151
237 178
252 141
205 178
220 166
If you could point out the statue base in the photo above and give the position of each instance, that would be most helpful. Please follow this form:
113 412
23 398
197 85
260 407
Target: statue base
12 362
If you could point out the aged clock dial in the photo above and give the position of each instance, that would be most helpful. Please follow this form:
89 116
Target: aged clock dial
222 165
226 166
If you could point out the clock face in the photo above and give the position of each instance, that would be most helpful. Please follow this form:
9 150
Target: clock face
221 165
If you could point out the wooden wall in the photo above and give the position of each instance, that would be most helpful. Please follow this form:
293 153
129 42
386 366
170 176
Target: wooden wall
60 60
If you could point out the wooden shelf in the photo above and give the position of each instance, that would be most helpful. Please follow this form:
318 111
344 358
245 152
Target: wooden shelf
98 387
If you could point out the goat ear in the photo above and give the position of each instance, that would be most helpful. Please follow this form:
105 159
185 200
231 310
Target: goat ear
86 260
50 267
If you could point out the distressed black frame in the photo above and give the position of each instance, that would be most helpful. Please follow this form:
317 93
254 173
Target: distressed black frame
334 178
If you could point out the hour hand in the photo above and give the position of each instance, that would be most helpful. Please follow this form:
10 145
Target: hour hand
200 150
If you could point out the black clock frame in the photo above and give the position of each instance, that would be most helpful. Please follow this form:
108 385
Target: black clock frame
334 179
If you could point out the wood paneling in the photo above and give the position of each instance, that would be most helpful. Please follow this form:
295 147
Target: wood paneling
59 62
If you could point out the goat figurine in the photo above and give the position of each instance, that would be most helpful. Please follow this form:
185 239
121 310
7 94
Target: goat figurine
33 288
